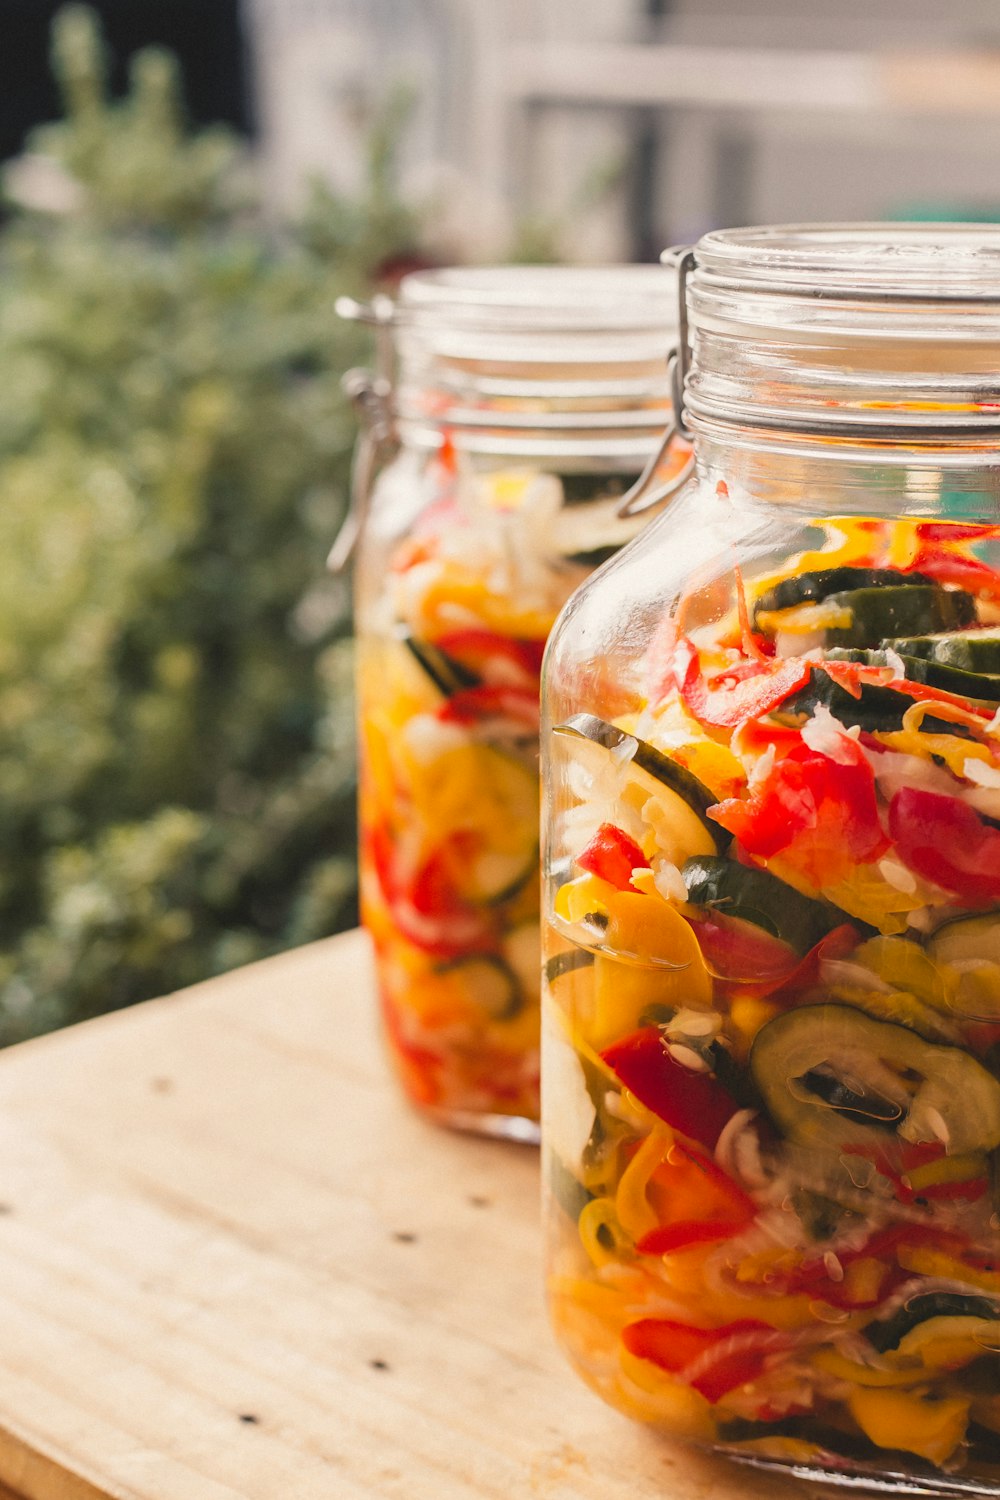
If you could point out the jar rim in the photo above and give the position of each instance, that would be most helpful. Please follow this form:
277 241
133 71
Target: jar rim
880 260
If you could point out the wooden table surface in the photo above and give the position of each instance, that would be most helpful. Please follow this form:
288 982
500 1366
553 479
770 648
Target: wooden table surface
233 1263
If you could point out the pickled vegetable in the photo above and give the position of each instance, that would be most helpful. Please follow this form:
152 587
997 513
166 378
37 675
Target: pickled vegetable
448 687
784 1238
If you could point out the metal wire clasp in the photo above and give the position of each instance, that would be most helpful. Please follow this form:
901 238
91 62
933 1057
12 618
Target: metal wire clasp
370 393
644 494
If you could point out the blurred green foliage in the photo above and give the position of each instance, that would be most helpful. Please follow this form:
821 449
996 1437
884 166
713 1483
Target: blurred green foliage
176 785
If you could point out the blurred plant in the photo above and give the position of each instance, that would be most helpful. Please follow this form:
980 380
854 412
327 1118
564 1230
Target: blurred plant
176 787
547 238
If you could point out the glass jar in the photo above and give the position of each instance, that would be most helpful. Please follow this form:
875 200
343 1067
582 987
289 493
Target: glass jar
522 402
771 761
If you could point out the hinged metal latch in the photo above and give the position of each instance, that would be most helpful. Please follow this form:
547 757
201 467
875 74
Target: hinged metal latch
645 493
370 393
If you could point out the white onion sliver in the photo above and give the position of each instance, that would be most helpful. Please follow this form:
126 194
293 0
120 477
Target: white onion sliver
981 773
897 875
827 735
855 976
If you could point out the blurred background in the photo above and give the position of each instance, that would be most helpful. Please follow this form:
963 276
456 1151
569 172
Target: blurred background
187 187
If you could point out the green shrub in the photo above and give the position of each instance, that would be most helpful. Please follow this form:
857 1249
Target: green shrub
176 785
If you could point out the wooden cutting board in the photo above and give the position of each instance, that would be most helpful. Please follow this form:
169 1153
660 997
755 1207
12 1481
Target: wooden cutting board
234 1264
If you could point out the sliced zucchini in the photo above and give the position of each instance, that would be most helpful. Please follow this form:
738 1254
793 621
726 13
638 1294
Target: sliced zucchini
830 1072
975 685
941 1308
588 529
970 946
490 981
759 897
734 1078
809 588
975 650
966 940
447 675
583 489
653 773
908 610
566 963
877 710
493 877
566 1190
505 817
592 558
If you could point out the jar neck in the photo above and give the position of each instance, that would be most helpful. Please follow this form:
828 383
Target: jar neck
535 362
822 476
885 337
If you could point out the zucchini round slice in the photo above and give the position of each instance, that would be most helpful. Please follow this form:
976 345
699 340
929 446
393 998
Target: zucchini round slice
933 1307
585 488
909 609
828 1073
757 896
966 940
490 982
975 650
879 709
483 803
447 675
970 947
567 963
657 773
975 685
809 588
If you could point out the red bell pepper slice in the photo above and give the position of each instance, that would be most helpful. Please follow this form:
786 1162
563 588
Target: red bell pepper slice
751 643
950 567
612 856
719 1359
686 1232
696 1104
498 659
746 691
756 971
689 1187
897 1158
423 903
419 1068
944 840
472 705
818 811
957 531
851 676
739 951
838 943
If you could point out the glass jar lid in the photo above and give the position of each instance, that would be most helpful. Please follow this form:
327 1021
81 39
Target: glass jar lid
879 330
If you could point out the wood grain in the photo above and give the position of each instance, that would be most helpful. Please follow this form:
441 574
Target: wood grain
233 1264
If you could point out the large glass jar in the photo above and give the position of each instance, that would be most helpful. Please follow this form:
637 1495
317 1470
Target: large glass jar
523 402
771 759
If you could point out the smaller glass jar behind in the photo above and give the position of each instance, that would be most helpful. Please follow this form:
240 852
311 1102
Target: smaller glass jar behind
527 400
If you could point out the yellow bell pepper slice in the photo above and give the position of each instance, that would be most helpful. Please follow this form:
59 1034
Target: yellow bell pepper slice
867 895
832 1362
654 1396
926 1262
893 1419
906 967
648 930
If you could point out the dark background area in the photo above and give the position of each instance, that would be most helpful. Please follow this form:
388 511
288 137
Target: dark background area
205 34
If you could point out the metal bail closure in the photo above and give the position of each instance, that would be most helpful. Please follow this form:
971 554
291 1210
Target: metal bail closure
644 494
370 393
